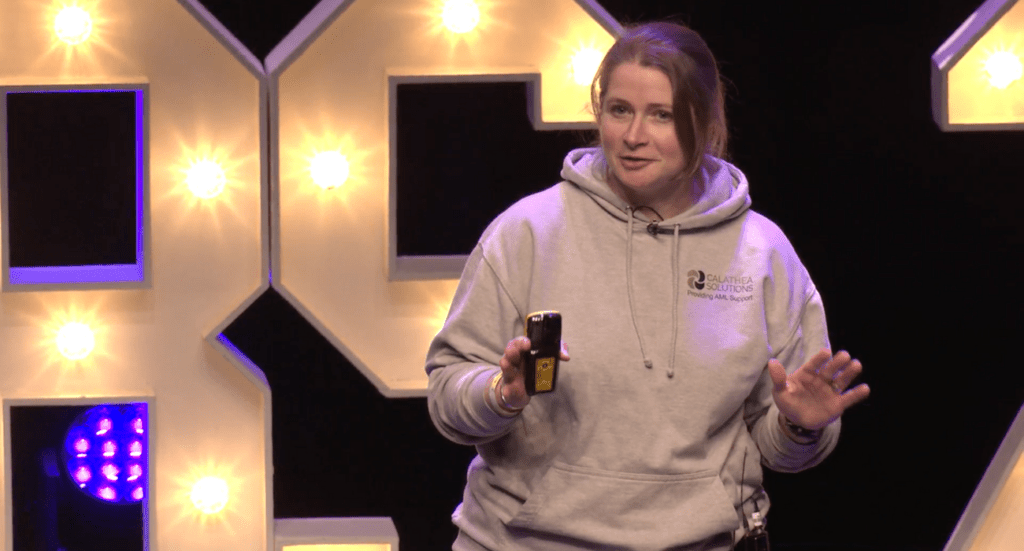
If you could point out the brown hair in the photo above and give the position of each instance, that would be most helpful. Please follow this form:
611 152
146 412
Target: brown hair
698 101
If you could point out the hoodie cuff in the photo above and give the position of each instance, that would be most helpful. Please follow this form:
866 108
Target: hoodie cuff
787 455
489 413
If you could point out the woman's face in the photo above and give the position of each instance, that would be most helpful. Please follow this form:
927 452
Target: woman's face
638 135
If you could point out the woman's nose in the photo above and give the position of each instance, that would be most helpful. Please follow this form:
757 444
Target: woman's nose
635 135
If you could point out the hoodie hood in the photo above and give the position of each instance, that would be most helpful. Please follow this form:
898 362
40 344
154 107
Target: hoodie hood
725 196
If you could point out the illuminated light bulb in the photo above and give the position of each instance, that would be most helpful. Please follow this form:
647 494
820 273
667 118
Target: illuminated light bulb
137 494
205 179
210 495
105 426
110 471
1003 69
73 25
83 475
135 449
75 341
134 472
460 16
584 64
329 169
109 448
81 446
137 425
107 493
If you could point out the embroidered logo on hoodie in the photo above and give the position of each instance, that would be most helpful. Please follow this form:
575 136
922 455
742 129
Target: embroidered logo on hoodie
736 288
695 279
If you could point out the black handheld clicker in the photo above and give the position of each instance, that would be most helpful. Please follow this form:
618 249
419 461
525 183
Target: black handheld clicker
540 370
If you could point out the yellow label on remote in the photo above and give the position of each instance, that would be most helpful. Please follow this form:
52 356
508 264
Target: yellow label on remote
545 374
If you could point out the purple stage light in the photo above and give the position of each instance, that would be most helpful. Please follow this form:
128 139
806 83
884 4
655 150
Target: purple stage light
82 475
104 454
107 492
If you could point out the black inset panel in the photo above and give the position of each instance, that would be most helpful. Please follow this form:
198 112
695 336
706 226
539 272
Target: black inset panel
49 511
71 178
466 152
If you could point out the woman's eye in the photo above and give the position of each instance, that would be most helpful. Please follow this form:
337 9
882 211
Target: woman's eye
618 110
663 115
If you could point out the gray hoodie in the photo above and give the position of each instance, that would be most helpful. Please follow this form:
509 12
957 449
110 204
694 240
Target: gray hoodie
654 436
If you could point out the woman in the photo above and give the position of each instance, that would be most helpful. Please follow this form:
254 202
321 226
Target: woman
699 342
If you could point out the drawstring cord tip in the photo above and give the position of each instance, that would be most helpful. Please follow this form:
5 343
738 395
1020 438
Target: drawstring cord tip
648 364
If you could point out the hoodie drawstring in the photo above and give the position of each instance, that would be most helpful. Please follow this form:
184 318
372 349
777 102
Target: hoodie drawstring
629 286
675 301
652 228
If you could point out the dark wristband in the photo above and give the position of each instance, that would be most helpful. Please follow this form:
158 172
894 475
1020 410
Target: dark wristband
800 432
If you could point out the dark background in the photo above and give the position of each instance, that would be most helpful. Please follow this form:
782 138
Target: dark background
911 235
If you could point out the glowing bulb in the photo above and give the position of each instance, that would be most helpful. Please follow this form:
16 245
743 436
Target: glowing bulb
134 472
137 425
135 449
109 448
82 475
329 169
1003 69
110 471
205 179
72 25
105 425
460 16
75 341
210 495
81 446
584 64
137 494
107 493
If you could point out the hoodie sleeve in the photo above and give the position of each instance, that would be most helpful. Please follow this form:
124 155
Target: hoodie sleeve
463 358
796 331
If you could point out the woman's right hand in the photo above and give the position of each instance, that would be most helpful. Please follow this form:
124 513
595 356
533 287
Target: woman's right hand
511 390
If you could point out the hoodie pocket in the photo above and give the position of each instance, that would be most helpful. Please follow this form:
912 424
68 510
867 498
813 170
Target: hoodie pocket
627 510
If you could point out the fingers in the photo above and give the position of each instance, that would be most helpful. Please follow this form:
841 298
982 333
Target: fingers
818 361
834 364
854 395
842 379
778 374
512 361
563 354
512 388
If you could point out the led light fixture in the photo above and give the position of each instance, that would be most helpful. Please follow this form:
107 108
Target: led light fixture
584 65
210 494
75 341
460 16
73 25
105 452
329 169
205 179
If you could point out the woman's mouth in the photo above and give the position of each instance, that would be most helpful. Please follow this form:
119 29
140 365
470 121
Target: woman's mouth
634 163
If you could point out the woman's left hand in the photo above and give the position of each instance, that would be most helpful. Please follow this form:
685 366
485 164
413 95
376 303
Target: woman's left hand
816 394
